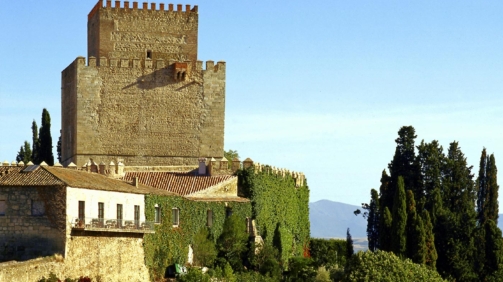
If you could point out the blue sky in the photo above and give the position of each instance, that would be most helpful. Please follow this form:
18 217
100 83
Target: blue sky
320 87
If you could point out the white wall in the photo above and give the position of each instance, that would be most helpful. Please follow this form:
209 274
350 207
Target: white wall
109 198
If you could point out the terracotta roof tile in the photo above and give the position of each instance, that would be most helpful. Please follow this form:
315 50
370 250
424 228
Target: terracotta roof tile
14 176
180 183
55 176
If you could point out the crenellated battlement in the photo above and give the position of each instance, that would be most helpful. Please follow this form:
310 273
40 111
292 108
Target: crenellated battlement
222 166
148 63
299 177
127 5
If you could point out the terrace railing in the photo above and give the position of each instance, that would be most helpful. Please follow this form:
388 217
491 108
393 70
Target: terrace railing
112 225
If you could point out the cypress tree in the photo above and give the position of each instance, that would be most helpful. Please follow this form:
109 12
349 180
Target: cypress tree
404 162
35 144
430 159
58 148
416 243
45 139
385 201
492 184
349 245
373 221
20 154
385 224
398 229
431 252
455 224
482 188
493 248
24 153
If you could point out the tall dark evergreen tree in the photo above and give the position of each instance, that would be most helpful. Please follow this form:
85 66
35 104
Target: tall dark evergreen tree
373 221
45 150
385 234
488 241
349 245
398 228
24 153
455 224
493 248
431 252
492 183
430 159
404 162
416 241
35 142
58 148
482 189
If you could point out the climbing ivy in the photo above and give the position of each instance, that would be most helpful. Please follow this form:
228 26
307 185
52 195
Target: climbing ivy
169 245
281 209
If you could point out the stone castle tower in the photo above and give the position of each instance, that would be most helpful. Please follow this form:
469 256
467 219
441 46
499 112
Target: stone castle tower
142 96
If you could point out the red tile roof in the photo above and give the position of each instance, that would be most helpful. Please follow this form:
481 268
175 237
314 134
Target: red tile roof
180 183
55 176
14 176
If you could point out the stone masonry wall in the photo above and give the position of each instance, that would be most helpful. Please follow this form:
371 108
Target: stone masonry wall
24 236
102 258
143 115
168 32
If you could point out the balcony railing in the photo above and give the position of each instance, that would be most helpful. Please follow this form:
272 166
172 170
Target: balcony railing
112 225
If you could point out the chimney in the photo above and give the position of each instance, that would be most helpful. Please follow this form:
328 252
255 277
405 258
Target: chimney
120 169
236 164
102 167
202 166
212 166
135 181
247 163
224 164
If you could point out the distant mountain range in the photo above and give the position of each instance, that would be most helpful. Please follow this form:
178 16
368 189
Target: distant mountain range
331 220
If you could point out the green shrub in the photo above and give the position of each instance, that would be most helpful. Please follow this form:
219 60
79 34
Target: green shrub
232 244
194 275
322 275
385 266
328 252
205 251
300 269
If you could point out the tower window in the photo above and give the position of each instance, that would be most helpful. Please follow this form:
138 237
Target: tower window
149 54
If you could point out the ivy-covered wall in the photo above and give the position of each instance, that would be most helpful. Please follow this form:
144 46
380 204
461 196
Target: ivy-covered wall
281 209
171 244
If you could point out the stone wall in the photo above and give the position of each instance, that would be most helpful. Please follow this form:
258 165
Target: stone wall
100 257
168 32
142 115
25 236
143 96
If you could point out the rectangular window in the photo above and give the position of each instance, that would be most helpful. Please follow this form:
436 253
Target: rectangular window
137 216
37 208
176 216
209 218
101 213
3 207
82 210
228 212
119 215
157 218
